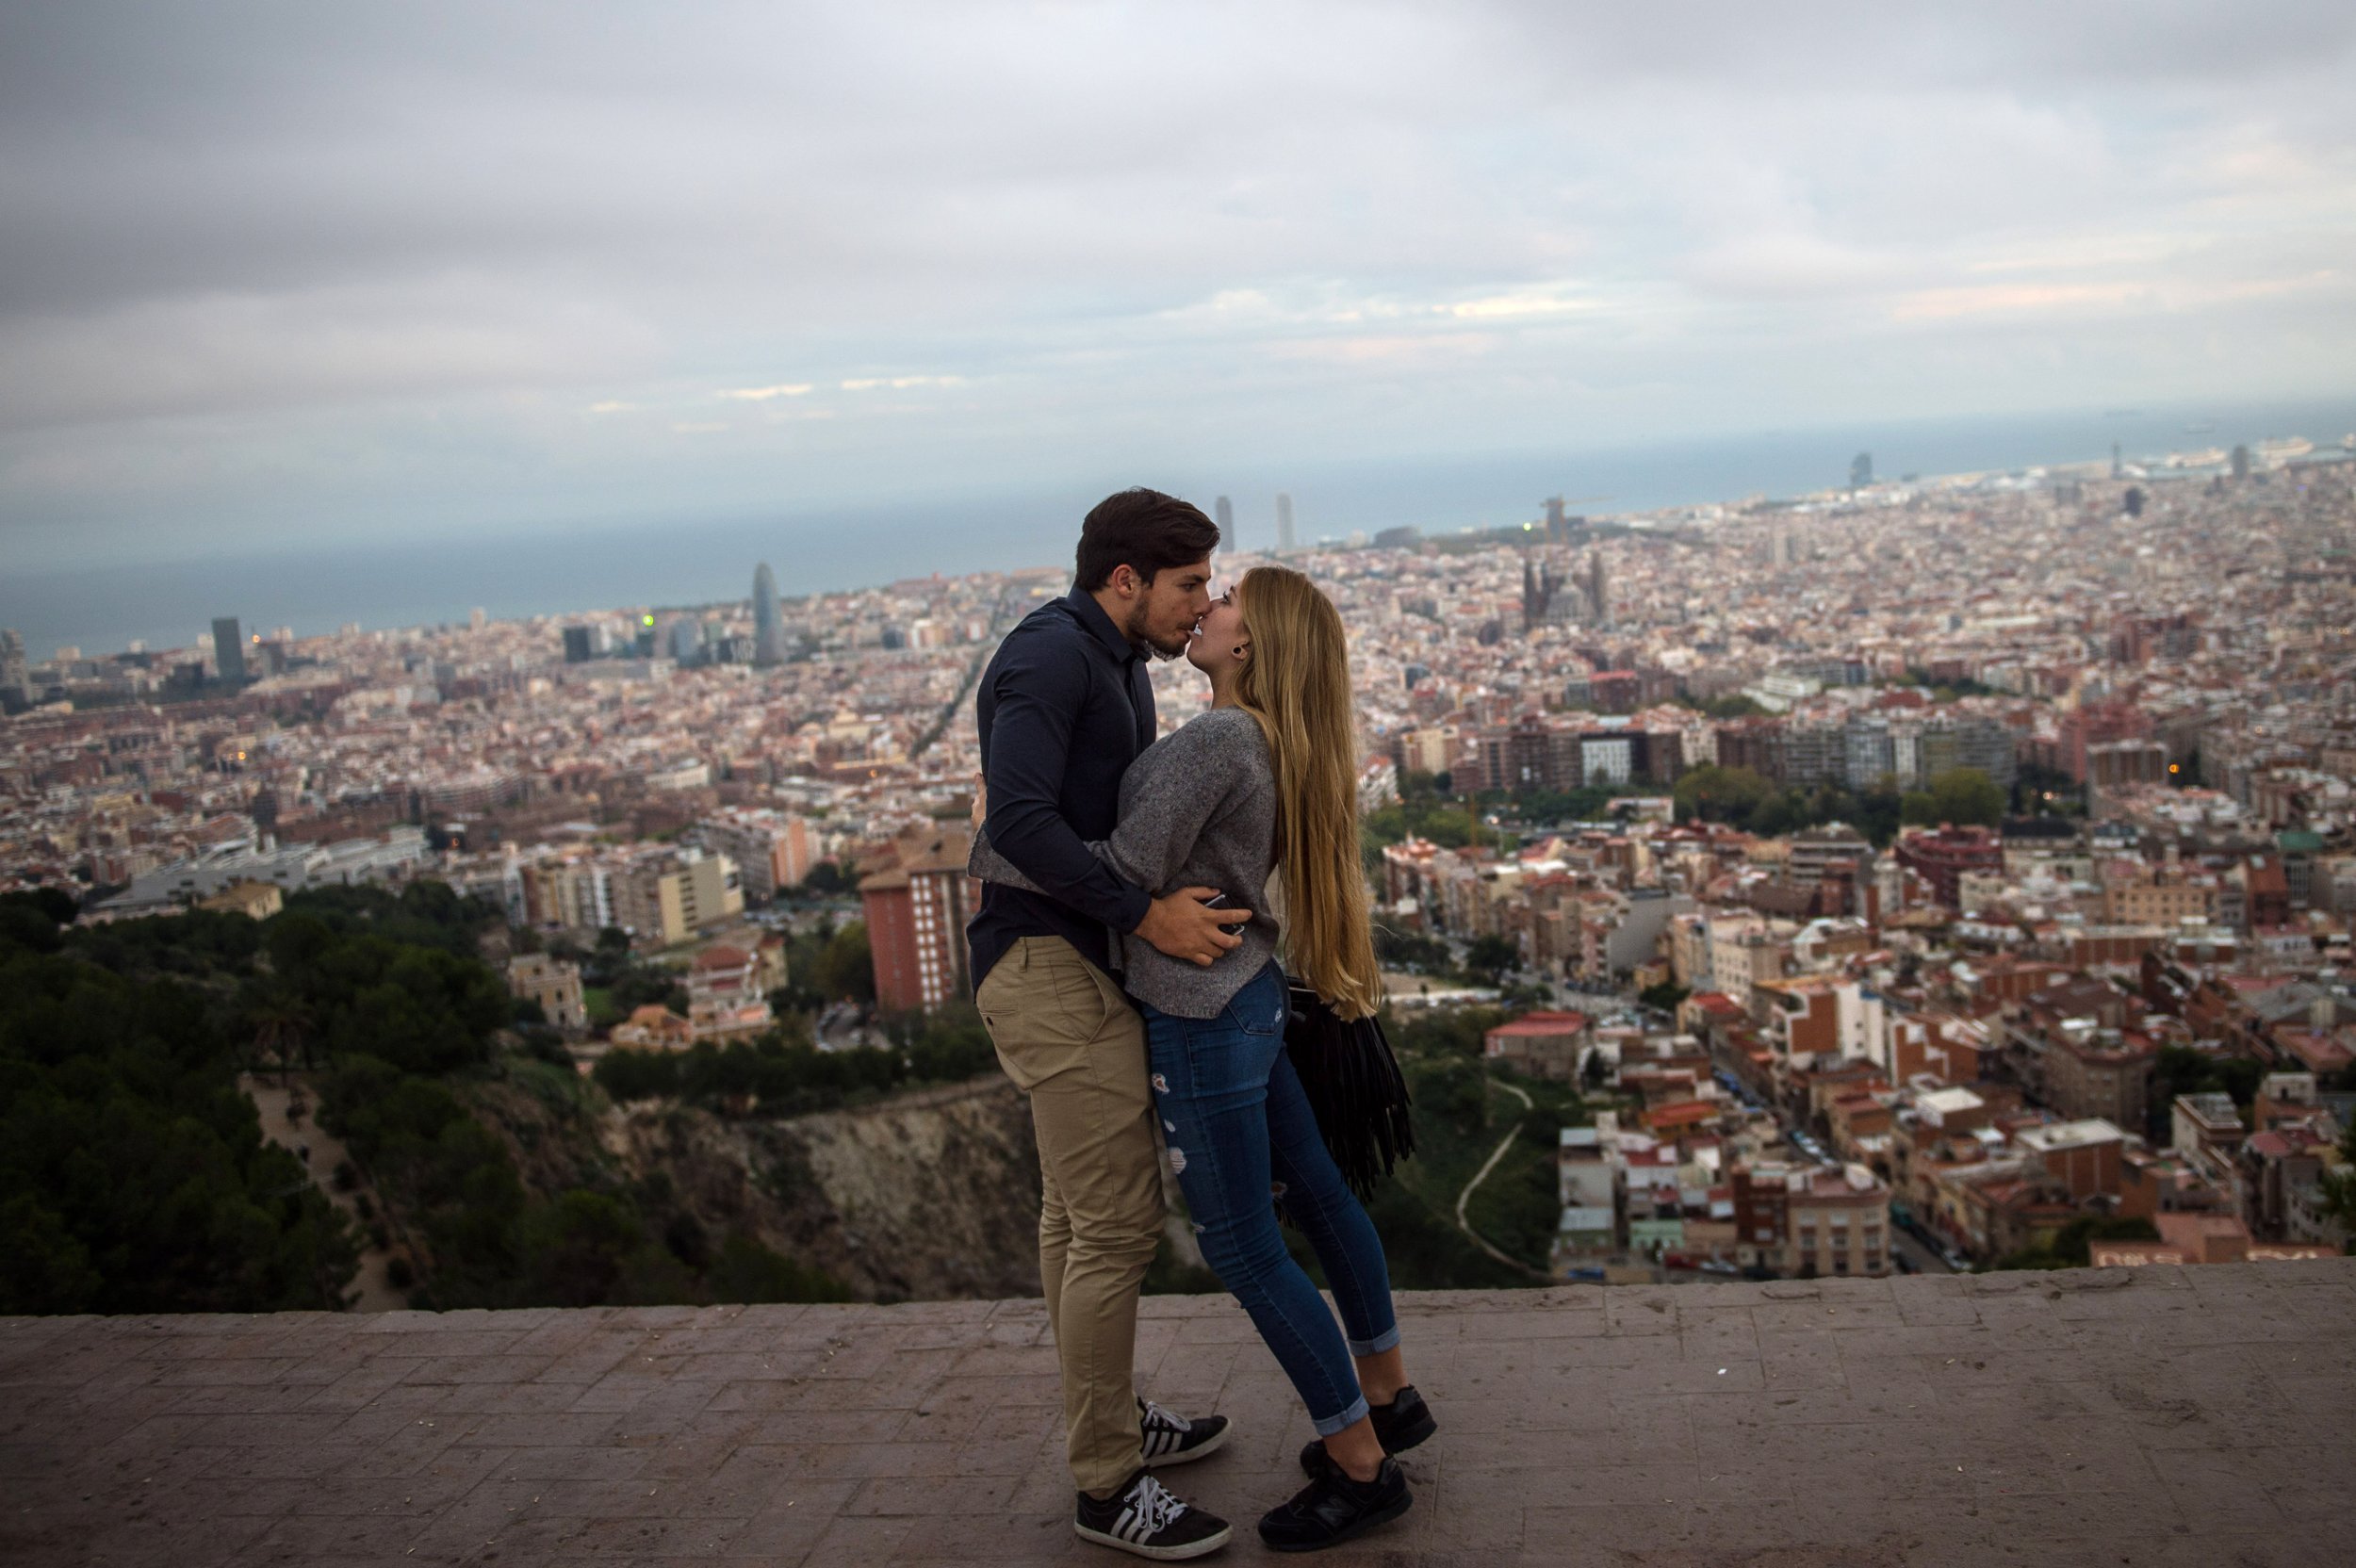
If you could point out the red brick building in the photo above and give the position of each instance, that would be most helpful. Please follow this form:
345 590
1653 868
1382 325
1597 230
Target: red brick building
916 915
1942 856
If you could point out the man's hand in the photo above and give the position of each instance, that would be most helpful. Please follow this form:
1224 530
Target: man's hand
1185 927
981 802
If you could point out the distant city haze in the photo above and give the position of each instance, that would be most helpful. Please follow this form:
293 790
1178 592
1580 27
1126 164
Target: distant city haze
535 306
676 559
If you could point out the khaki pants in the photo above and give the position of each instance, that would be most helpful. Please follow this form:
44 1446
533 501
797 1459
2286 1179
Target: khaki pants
1070 1040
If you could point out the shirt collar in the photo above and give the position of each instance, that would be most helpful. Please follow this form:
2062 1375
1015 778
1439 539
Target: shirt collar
1092 615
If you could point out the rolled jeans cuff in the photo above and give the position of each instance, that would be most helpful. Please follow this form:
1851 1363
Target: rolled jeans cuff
1351 1417
1376 1346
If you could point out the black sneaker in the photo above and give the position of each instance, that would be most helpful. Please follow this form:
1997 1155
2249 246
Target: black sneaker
1145 1518
1334 1509
1172 1439
1397 1426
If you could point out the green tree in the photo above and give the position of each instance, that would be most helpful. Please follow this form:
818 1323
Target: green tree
827 878
2071 1247
1880 811
1967 795
1488 958
1409 950
1452 1090
1665 996
747 1271
587 1249
1785 811
133 1173
1713 793
627 1074
846 970
644 986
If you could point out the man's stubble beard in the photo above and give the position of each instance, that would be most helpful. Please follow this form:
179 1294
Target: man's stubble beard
1141 638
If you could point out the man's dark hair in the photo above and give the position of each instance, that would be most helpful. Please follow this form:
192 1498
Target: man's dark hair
1145 530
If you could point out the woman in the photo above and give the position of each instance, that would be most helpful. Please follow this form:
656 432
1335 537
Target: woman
1266 782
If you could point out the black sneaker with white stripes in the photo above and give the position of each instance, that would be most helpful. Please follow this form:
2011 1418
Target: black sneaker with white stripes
1146 1519
1171 1438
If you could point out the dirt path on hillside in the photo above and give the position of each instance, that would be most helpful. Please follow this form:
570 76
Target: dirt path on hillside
1464 1221
375 1291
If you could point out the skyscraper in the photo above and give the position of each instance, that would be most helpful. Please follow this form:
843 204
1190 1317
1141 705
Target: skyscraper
1860 470
768 628
229 649
1283 523
12 676
1223 514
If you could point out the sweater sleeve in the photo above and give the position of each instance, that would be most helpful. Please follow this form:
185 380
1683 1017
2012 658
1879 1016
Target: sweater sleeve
1175 789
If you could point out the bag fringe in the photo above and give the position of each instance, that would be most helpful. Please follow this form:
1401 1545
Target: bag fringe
1354 1085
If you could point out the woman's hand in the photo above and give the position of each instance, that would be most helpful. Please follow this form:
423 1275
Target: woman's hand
981 800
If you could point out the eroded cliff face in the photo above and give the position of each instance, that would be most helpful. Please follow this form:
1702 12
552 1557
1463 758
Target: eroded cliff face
929 1196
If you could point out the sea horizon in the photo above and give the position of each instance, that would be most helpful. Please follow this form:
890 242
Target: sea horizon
684 561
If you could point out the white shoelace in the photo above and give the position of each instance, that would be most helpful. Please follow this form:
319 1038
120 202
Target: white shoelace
1153 1506
1164 1416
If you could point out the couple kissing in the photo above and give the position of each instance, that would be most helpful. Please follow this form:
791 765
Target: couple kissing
1129 977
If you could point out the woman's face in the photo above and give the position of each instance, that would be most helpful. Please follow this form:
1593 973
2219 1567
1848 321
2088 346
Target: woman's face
1220 633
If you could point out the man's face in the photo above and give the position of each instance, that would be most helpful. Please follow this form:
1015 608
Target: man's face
1164 612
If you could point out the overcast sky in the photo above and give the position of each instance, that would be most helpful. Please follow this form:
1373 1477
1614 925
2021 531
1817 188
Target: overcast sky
318 271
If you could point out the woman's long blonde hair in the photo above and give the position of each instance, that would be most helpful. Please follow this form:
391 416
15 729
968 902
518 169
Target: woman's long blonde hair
1296 683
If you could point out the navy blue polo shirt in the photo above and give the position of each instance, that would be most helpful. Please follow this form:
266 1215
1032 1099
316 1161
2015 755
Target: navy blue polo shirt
1064 707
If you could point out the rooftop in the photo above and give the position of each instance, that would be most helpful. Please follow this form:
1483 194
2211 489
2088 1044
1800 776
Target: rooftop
2159 1415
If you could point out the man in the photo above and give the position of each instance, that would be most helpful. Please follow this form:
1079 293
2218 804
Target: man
1064 707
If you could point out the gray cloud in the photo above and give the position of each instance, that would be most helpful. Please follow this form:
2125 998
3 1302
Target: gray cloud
262 258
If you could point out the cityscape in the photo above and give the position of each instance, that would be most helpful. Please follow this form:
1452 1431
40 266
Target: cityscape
521 524
1923 875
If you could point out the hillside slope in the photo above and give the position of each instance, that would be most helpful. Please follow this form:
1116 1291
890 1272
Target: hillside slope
930 1195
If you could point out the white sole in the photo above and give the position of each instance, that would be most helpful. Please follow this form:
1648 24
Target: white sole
1203 1547
1188 1456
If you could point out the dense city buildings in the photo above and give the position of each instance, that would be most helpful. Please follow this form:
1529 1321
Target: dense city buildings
1919 869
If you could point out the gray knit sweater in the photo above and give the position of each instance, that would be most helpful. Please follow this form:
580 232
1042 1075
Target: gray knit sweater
1198 808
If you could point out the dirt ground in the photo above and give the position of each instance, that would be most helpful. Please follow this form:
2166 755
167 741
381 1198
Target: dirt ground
370 1291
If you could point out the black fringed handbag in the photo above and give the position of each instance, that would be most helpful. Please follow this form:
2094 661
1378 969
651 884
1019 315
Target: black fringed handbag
1354 1085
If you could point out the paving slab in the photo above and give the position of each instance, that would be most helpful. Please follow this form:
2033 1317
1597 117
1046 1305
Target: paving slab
2140 1417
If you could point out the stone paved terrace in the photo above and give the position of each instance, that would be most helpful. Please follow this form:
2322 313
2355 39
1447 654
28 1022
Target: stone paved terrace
2193 1417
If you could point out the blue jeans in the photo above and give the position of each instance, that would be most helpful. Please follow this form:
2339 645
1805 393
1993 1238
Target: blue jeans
1240 1125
